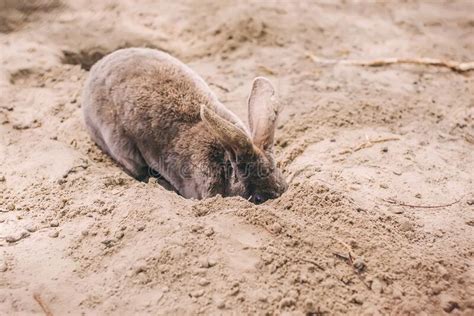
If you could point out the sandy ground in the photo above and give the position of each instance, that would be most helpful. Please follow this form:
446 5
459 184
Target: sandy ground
79 236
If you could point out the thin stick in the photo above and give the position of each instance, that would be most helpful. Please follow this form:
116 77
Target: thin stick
451 64
349 249
371 143
313 263
267 69
422 206
219 86
350 260
43 306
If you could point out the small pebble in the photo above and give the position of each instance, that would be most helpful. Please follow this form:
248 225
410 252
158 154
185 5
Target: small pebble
203 262
276 228
377 286
261 296
406 226
11 207
357 299
196 228
220 303
54 223
418 195
3 265
140 266
142 278
2 179
384 186
359 264
203 282
287 302
53 234
470 202
211 261
395 210
108 242
235 289
119 235
31 228
197 293
397 293
385 149
309 307
209 231
85 232
141 228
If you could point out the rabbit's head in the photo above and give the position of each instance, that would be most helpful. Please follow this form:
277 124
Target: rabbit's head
255 174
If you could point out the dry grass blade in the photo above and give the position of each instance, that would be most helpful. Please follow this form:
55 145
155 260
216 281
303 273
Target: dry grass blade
451 64
43 306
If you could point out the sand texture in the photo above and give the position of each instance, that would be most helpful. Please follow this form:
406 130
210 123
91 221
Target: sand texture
379 215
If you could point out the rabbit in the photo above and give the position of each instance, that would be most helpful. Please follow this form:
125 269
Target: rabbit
149 111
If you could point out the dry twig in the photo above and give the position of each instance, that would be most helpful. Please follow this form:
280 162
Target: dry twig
313 263
219 86
451 64
370 143
268 70
350 260
43 306
422 206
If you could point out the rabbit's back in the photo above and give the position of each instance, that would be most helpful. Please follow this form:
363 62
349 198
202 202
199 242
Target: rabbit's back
143 89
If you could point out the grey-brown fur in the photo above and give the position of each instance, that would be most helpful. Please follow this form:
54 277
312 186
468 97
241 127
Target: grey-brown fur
148 110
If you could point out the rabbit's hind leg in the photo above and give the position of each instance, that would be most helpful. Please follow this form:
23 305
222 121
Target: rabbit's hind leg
124 151
128 156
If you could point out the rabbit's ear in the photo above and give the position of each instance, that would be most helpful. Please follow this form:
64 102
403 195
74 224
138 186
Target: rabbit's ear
263 113
230 136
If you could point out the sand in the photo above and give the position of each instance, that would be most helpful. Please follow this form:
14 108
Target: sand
379 215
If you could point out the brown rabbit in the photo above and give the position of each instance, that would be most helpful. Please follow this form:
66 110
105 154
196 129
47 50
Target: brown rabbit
149 111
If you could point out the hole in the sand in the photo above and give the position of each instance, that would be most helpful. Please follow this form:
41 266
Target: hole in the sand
20 75
84 58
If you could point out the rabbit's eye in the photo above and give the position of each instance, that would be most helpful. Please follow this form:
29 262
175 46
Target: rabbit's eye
258 199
